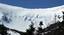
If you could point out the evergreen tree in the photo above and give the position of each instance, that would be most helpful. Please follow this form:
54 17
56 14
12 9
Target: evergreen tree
3 30
40 30
31 30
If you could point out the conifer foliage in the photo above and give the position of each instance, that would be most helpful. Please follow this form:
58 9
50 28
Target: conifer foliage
31 30
3 30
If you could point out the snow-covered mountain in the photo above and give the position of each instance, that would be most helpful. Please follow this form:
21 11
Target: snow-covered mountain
20 18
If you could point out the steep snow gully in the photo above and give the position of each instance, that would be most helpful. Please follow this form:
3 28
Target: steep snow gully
20 18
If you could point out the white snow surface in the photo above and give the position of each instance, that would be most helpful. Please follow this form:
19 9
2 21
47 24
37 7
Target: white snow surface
21 17
12 32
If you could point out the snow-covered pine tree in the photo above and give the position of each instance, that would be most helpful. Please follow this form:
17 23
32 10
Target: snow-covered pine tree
31 30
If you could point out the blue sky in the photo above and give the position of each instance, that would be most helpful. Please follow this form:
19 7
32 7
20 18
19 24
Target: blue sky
34 3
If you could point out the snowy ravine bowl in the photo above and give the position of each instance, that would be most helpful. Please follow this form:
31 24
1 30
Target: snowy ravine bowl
20 18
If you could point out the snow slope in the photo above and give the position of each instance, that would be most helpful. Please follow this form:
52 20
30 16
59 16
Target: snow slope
12 32
20 18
